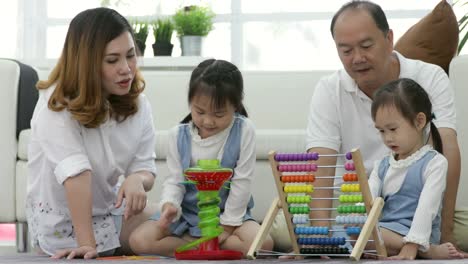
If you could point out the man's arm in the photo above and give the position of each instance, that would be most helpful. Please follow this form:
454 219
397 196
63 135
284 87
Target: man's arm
323 183
452 153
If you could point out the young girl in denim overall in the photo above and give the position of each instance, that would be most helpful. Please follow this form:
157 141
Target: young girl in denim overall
412 178
216 128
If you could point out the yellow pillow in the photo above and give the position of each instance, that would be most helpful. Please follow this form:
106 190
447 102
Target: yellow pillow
434 39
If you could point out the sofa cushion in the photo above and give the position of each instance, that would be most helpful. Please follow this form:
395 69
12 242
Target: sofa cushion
9 76
434 39
23 142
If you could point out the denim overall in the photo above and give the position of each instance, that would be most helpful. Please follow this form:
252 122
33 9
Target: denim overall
399 208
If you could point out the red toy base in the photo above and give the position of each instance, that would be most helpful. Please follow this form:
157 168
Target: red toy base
209 255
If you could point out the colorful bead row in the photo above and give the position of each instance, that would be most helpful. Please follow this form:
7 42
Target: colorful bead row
299 209
349 166
298 178
297 167
350 177
350 219
353 230
298 199
298 188
351 209
353 198
307 156
321 240
350 188
296 156
300 219
311 230
340 219
323 230
324 250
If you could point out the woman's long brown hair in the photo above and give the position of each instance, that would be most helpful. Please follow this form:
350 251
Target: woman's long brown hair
78 74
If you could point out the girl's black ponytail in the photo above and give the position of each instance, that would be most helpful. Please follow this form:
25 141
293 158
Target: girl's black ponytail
436 139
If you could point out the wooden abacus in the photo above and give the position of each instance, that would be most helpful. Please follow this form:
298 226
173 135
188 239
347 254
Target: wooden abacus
294 178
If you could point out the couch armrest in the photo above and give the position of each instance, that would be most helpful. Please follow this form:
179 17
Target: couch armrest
9 74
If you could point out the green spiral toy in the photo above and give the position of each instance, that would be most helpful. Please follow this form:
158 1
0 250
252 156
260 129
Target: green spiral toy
209 177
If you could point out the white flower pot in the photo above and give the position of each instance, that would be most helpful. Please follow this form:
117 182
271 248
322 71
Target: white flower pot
191 45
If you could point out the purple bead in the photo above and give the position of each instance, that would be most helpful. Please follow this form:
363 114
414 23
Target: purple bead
279 157
284 157
296 157
314 156
349 156
292 157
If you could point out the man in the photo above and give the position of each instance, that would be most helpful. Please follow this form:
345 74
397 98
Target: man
340 112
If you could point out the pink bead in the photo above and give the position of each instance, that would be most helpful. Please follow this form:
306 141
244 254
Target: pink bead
349 166
312 167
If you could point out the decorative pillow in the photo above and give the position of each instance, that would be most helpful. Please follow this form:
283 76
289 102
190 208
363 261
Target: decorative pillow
433 39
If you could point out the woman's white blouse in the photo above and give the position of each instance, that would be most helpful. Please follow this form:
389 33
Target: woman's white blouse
61 148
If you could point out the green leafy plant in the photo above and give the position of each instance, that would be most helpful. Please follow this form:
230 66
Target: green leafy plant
140 32
462 24
140 29
193 21
162 30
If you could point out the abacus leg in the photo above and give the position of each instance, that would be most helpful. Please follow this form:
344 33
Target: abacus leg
264 228
367 229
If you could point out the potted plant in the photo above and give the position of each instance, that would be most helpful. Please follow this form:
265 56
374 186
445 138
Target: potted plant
462 23
162 30
192 23
140 31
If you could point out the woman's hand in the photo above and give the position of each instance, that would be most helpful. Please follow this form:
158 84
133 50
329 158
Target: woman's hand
85 252
133 191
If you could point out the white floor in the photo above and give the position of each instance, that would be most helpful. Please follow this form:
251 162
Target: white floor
7 248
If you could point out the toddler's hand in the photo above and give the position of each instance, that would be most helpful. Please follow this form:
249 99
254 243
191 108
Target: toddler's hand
408 251
169 212
228 231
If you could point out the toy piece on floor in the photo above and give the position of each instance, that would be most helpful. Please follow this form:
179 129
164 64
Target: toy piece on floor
208 177
128 258
358 216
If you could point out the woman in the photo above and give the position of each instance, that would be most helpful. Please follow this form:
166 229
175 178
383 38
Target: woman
91 125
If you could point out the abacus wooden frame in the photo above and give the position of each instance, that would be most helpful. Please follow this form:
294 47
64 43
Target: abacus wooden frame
373 210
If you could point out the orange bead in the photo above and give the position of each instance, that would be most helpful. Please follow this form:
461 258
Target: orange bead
312 178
